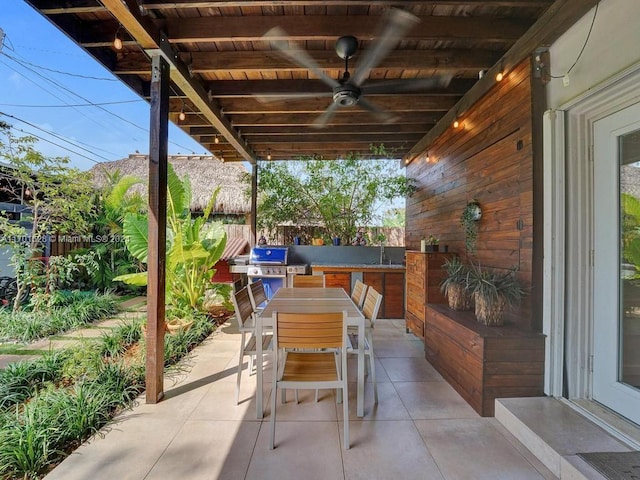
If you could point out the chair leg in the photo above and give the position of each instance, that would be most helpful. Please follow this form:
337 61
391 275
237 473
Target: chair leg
372 368
345 403
239 376
272 421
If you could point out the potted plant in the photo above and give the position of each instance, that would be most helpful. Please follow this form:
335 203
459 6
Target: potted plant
493 291
469 219
456 284
432 243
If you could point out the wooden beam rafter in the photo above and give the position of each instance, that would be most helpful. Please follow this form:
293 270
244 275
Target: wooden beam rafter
327 27
268 61
143 29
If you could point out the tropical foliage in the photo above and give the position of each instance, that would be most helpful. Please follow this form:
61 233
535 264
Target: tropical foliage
339 195
193 246
58 198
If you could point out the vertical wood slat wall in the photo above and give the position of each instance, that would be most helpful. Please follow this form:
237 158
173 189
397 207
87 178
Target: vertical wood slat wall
488 158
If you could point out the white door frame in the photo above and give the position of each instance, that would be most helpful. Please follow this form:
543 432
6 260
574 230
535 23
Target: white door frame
576 282
606 387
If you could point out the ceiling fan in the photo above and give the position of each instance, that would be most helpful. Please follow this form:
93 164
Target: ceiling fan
348 90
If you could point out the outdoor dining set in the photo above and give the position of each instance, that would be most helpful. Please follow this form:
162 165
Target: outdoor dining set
307 331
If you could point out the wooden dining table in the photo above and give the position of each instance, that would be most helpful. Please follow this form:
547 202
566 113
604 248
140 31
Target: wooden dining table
310 300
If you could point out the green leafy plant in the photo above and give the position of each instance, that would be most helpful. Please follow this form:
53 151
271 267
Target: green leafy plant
493 291
456 284
469 220
193 246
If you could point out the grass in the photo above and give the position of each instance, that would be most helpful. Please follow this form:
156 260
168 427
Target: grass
50 405
68 311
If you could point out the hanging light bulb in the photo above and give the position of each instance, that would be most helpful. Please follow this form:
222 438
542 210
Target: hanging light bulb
117 41
182 115
269 154
499 76
221 156
456 124
216 139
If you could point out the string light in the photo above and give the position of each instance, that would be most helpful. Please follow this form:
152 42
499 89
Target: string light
216 139
182 115
499 76
456 124
269 154
117 41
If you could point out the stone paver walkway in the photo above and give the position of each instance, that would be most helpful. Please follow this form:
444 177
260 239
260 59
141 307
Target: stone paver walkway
132 308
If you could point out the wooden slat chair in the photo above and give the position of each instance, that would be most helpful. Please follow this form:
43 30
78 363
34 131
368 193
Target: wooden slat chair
247 327
292 334
358 293
258 295
371 307
308 281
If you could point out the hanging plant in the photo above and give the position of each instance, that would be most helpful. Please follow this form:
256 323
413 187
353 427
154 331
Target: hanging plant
469 219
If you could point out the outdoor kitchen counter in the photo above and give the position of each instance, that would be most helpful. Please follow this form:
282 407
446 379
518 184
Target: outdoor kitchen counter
386 279
357 267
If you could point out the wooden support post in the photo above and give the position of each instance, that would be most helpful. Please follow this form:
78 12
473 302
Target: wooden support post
254 203
159 137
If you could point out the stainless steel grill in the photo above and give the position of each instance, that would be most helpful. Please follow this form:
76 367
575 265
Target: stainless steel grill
269 264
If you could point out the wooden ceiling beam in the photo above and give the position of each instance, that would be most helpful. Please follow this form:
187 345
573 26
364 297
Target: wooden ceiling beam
144 31
327 27
302 119
260 130
277 88
406 103
551 25
180 4
269 61
370 138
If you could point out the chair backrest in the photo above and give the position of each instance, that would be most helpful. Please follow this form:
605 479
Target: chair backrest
242 306
309 330
371 306
308 281
257 294
358 293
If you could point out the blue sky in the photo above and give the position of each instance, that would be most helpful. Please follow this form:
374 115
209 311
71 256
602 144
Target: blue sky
35 98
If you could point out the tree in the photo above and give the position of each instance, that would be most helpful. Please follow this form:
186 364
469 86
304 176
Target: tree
339 195
394 217
58 198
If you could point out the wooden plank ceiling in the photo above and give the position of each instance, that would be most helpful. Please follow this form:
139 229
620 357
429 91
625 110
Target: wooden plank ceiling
244 100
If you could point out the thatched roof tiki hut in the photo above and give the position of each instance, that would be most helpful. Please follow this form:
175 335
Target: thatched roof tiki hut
205 172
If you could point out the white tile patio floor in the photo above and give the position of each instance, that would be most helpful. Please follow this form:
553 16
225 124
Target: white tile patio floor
421 429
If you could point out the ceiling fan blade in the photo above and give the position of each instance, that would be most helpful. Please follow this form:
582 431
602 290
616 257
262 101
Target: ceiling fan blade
324 118
396 24
407 85
276 37
380 113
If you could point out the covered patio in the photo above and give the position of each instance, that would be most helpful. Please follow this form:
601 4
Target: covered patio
421 428
502 119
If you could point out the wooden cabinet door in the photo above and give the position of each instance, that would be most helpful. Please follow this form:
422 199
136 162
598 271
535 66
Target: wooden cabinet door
338 280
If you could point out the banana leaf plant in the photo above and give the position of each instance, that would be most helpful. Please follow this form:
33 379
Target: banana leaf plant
193 246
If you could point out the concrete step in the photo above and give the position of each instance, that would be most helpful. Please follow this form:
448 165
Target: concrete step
555 433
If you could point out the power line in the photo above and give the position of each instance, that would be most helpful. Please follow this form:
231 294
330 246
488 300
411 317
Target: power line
70 92
49 141
60 137
89 77
70 105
